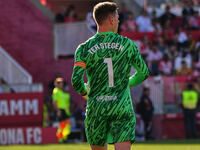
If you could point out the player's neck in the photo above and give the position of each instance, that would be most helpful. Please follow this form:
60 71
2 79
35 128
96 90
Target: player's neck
102 29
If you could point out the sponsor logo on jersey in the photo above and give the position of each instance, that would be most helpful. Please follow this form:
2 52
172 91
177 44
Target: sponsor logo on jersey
106 98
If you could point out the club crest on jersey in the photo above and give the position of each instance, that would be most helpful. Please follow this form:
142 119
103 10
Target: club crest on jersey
96 47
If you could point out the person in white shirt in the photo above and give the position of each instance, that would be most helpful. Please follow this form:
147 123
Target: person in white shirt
92 26
153 59
91 23
144 22
165 65
183 57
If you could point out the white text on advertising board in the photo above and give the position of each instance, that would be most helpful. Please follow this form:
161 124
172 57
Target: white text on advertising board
20 107
20 136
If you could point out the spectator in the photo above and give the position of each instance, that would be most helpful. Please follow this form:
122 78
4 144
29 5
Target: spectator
161 45
168 26
70 14
139 128
197 45
166 16
168 36
190 43
187 10
90 21
196 61
123 15
153 15
60 16
144 22
182 36
182 57
129 25
193 21
79 115
156 28
153 59
195 68
165 66
197 17
145 109
184 70
172 52
189 104
197 85
145 47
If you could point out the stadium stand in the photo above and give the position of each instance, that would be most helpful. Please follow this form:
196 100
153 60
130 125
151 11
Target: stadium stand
27 37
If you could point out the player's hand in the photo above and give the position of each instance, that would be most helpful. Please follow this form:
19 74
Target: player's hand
87 87
88 90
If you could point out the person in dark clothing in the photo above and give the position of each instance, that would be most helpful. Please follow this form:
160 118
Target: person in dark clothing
188 9
187 12
123 15
145 109
60 16
79 115
166 16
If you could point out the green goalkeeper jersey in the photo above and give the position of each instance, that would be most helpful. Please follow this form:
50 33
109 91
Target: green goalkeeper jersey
107 59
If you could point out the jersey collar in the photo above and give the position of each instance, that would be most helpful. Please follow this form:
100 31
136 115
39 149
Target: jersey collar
104 33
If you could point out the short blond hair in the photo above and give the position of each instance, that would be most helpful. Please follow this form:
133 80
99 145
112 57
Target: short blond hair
102 10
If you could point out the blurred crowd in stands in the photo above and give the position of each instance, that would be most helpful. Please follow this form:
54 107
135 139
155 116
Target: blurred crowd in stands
172 50
66 15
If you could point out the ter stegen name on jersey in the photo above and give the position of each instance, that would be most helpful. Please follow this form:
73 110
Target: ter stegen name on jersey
96 47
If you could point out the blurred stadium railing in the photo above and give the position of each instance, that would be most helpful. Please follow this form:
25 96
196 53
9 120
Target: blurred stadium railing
68 36
156 94
11 71
22 88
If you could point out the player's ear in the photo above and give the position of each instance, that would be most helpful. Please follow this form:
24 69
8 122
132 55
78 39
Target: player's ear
111 19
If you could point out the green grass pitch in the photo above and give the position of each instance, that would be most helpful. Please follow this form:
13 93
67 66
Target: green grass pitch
85 146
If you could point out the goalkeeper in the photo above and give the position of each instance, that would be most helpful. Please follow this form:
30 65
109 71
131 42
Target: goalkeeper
108 57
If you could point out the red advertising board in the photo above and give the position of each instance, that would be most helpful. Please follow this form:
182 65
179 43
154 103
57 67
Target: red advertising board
173 126
27 135
21 109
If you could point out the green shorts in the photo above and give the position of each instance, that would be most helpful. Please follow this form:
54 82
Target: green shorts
101 130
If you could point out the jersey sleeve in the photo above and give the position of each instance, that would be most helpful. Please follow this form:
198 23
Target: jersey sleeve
142 71
79 71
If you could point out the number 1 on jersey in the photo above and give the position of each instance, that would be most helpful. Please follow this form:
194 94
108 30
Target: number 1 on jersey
110 71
